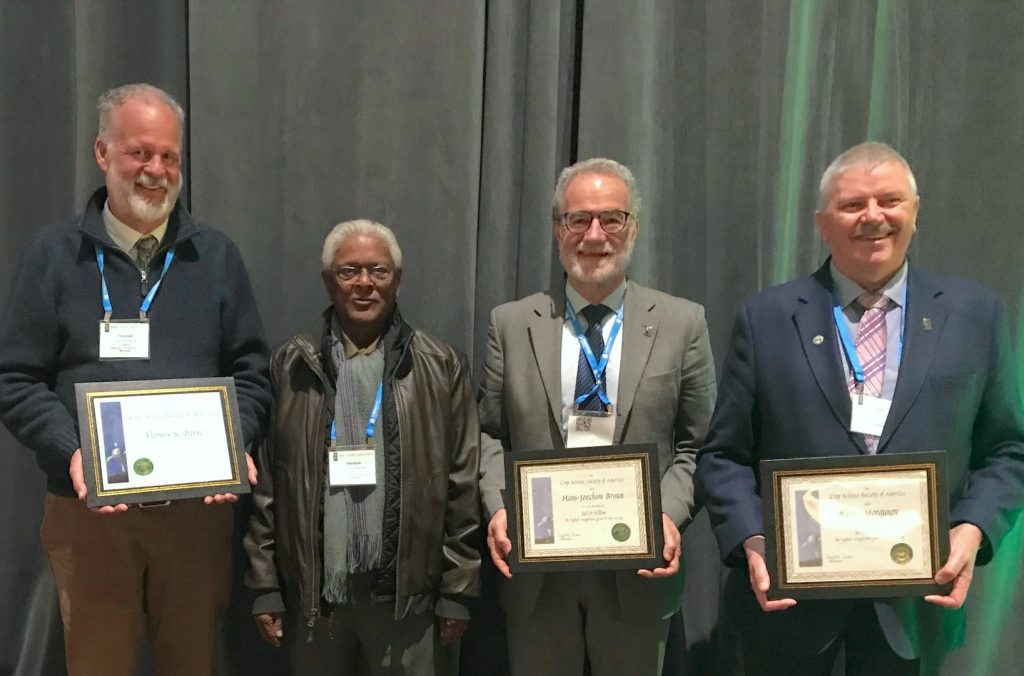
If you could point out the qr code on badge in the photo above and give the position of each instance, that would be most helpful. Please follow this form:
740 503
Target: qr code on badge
583 423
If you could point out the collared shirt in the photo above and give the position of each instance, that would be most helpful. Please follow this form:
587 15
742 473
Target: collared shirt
571 348
846 292
124 236
349 348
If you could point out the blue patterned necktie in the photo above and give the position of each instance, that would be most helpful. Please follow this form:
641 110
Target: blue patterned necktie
594 314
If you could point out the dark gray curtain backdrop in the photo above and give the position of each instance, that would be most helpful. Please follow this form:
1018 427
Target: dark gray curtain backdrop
449 120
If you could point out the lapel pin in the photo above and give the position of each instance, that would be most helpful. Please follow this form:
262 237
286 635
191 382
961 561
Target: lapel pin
818 340
926 323
648 330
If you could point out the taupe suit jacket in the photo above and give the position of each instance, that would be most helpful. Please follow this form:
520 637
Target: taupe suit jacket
666 395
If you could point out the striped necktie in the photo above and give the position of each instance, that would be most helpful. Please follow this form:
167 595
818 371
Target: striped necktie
594 314
871 345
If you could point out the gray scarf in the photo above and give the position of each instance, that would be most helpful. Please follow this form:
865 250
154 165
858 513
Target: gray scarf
353 515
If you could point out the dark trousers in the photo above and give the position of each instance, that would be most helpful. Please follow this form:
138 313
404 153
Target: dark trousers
867 652
578 619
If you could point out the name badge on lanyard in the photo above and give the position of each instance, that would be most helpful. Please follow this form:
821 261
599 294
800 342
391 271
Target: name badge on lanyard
867 413
590 428
593 428
355 465
126 338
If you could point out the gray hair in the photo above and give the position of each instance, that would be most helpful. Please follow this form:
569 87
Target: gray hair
869 154
362 226
114 98
597 165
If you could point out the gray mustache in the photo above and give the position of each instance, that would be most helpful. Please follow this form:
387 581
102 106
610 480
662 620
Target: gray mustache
872 230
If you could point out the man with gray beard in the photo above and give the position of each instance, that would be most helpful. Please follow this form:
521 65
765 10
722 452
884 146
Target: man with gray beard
136 259
658 383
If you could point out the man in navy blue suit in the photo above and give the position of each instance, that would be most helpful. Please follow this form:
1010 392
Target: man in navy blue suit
946 372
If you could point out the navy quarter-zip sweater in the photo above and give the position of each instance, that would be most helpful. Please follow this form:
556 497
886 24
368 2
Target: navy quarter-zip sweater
203 323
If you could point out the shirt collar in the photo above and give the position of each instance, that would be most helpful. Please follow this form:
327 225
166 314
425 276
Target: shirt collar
847 290
122 235
611 301
349 348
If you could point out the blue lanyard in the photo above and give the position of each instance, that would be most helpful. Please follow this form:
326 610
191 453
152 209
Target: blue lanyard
850 348
108 309
597 367
371 424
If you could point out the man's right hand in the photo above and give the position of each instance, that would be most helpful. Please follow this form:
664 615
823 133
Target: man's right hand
498 542
78 483
760 582
269 625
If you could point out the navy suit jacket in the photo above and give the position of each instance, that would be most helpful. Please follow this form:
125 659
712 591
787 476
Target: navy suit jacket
783 394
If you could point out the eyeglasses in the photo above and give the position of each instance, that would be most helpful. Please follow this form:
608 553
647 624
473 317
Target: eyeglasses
578 222
377 273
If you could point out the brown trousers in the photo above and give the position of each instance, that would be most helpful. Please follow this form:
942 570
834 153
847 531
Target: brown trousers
162 570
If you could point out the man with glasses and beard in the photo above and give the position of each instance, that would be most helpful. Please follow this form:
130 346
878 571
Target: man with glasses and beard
135 253
658 383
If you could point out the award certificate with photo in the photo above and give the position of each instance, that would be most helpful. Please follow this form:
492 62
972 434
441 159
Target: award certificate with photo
865 526
584 508
156 440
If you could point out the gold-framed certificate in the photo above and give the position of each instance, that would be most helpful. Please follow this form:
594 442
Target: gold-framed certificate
157 440
855 526
587 508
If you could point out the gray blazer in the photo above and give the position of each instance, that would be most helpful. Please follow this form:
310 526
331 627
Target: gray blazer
666 395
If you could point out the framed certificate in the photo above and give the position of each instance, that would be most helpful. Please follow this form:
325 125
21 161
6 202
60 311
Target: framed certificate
855 526
156 440
584 508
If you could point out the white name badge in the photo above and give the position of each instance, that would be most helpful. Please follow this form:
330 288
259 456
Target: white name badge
590 428
869 414
124 339
352 465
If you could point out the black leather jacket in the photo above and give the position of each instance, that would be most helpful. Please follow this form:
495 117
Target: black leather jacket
431 457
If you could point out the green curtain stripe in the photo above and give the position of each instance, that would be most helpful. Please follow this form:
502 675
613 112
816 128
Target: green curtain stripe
994 599
880 70
800 59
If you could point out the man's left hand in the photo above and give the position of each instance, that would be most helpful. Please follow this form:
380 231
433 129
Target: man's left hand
221 498
964 542
670 553
451 629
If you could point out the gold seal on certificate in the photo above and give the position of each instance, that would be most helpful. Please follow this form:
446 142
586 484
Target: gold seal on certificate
156 440
584 508
855 526
901 553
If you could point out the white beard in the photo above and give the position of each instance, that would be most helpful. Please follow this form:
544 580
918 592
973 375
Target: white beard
139 206
609 268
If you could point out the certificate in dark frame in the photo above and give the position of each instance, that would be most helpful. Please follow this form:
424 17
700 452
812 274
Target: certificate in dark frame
933 463
93 447
645 454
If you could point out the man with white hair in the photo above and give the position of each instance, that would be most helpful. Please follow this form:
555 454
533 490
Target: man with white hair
134 260
868 355
361 541
658 382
